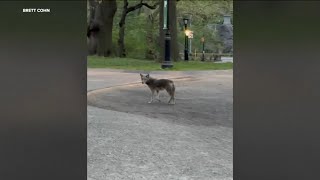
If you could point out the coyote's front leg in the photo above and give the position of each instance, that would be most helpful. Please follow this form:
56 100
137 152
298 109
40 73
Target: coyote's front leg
158 96
152 94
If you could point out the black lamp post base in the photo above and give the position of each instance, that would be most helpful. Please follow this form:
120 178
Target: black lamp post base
186 55
165 65
202 57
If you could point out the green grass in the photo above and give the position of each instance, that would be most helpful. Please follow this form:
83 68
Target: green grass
148 65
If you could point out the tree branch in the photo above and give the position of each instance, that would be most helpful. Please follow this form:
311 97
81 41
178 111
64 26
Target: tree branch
140 8
151 7
132 8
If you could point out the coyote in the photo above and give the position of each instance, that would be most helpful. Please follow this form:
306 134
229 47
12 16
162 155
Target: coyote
157 85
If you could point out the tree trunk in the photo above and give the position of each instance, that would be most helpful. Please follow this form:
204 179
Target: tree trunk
161 33
92 29
150 41
92 4
150 51
122 50
173 30
104 14
174 55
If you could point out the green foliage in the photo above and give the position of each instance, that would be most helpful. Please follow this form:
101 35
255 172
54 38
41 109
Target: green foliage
205 12
135 38
202 13
204 16
135 33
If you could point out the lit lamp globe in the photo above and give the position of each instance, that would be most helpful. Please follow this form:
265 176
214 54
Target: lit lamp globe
185 20
187 32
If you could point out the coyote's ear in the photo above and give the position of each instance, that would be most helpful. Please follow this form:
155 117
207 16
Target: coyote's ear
140 74
147 75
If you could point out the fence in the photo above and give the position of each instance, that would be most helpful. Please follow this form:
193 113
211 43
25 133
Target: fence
196 56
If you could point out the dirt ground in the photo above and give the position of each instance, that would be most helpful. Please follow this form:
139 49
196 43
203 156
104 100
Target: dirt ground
202 100
131 139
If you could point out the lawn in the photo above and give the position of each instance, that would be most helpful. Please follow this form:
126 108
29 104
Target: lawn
148 65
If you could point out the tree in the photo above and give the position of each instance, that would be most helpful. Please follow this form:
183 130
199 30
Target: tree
125 11
174 55
150 39
100 26
92 28
206 16
173 30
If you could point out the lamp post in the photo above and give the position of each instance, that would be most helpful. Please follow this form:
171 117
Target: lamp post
190 39
186 51
202 57
167 63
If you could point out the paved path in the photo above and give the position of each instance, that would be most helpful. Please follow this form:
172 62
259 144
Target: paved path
130 139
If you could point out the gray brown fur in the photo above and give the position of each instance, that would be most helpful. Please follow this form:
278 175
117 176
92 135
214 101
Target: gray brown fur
157 85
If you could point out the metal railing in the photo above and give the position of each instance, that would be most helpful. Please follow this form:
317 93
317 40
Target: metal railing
207 56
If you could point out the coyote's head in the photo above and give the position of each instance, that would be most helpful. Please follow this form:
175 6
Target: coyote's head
144 78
